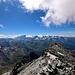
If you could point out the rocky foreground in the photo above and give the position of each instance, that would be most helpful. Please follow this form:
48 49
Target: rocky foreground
55 60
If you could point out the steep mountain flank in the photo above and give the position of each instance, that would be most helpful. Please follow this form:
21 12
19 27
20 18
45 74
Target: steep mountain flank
55 60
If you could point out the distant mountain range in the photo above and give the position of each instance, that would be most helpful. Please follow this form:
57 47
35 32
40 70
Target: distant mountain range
29 38
67 42
53 38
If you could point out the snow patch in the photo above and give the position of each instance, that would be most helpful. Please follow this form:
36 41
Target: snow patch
51 56
60 53
7 73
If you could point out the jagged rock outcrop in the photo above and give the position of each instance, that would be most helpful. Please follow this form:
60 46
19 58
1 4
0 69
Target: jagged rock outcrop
55 61
26 59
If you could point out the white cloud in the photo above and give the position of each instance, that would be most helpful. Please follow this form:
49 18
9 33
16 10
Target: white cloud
69 33
5 0
1 26
31 5
6 9
9 36
14 36
8 1
57 11
2 35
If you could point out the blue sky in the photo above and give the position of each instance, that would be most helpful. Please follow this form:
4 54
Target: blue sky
17 19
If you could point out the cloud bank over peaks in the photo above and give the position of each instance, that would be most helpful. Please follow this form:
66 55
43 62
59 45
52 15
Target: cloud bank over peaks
57 11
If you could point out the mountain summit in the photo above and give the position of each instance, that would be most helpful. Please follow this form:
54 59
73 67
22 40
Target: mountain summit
55 60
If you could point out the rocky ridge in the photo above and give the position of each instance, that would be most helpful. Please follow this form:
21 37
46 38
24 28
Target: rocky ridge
55 60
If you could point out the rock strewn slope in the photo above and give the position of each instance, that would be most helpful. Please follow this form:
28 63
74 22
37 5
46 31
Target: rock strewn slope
54 61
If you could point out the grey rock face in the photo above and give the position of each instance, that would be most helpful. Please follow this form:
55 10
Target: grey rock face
54 61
